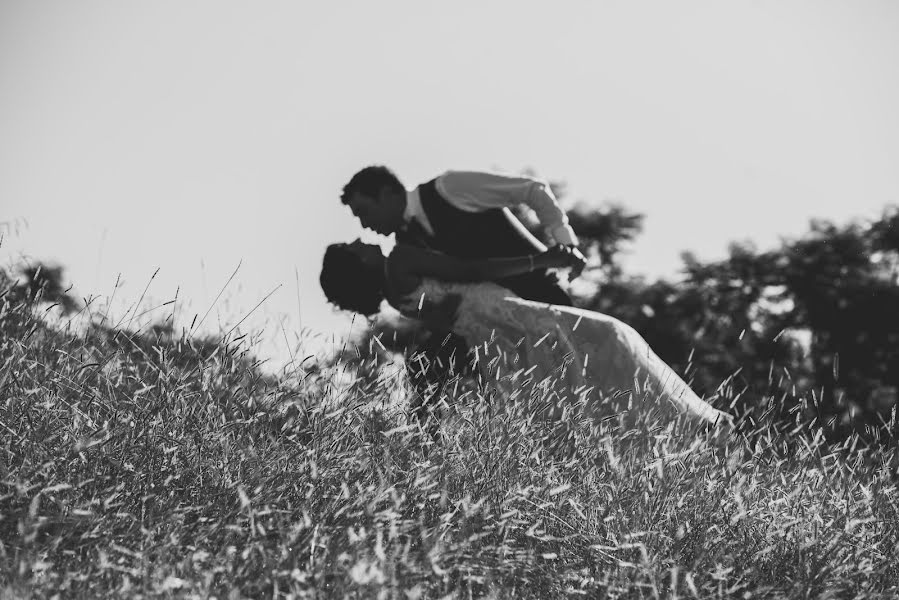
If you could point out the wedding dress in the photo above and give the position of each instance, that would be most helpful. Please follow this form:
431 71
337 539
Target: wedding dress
527 345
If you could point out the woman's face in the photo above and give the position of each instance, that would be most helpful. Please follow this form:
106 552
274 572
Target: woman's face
369 254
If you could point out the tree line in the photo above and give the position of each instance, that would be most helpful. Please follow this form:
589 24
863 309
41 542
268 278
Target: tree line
811 325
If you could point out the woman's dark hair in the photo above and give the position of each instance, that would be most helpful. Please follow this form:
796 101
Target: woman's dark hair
369 182
349 283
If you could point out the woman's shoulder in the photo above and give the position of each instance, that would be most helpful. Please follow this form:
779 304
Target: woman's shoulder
403 252
399 278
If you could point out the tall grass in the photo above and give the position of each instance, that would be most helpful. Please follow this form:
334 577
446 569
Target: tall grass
156 465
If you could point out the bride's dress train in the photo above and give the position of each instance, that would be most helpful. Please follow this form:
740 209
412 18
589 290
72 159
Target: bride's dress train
574 352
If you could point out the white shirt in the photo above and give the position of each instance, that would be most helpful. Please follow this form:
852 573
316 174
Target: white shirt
474 191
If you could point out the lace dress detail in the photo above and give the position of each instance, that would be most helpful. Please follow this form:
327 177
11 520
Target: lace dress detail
522 343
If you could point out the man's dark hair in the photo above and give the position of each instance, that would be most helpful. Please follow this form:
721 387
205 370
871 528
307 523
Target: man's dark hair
369 182
349 283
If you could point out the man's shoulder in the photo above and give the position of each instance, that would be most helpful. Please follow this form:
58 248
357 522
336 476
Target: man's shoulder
453 173
486 177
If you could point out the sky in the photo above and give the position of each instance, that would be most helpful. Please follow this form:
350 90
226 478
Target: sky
193 137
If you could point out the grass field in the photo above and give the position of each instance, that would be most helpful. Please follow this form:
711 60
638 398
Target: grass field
153 465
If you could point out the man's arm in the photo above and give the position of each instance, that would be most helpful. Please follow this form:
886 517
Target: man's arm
408 265
475 191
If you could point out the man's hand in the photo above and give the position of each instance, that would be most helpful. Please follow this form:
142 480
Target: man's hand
579 261
566 257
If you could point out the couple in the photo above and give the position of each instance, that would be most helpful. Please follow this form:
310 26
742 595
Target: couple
472 273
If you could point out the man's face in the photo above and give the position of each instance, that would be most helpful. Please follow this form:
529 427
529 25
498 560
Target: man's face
383 214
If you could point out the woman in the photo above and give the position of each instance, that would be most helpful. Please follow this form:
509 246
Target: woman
524 344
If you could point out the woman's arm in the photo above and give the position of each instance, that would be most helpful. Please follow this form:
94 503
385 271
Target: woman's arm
409 264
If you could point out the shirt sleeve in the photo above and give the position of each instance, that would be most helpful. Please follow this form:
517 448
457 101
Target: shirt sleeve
474 191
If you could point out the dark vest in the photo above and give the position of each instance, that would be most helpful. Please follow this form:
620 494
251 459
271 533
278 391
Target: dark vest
491 233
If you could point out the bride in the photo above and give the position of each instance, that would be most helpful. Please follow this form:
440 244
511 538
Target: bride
523 344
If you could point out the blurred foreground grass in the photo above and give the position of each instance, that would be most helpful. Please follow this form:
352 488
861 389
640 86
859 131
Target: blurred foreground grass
153 465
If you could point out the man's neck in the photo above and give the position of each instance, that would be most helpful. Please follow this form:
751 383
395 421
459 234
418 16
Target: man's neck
415 211
412 206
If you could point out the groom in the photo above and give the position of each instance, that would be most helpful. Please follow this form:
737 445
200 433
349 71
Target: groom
463 214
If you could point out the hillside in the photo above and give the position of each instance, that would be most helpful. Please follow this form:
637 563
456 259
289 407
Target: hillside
148 464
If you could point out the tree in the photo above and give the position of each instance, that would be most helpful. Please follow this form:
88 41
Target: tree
40 283
814 318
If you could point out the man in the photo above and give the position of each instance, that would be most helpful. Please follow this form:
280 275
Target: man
464 214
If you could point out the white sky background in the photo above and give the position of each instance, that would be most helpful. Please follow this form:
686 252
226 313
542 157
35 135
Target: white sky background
188 136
